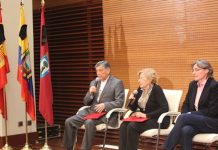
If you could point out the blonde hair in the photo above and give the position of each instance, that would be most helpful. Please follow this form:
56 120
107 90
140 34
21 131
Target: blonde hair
149 73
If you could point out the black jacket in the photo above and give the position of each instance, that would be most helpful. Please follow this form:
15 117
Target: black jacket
156 104
208 103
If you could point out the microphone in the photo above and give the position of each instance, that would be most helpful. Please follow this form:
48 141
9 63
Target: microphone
96 81
95 84
135 92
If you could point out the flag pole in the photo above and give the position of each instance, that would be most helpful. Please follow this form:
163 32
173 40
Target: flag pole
46 147
26 147
6 146
42 2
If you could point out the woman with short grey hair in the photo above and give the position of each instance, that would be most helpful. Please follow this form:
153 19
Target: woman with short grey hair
199 110
204 64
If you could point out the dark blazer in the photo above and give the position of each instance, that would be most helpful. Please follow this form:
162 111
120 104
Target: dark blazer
112 96
156 104
208 103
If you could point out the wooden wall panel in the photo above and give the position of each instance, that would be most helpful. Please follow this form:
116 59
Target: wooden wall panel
75 38
52 3
165 35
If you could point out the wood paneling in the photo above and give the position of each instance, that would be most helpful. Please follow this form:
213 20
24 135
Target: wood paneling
165 35
75 38
52 3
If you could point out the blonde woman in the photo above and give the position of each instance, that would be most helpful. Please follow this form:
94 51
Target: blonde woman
149 102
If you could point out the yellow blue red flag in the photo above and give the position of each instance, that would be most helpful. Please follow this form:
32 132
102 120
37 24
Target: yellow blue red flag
24 75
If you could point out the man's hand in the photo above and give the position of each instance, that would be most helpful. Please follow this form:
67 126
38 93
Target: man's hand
92 89
100 107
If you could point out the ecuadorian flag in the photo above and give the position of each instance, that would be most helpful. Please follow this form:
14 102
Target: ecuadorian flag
24 75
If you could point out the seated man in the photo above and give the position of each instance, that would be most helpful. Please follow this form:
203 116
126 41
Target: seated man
105 93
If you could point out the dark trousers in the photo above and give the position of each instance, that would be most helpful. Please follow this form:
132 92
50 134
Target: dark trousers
186 127
130 132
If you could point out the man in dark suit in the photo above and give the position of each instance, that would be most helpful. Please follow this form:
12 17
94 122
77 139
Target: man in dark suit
199 110
105 93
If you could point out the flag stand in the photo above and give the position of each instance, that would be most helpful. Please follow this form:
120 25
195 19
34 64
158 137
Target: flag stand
46 147
48 91
26 147
6 146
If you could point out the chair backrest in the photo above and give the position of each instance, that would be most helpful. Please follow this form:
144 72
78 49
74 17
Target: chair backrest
173 98
125 98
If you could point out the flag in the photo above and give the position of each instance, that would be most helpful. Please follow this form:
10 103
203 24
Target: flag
4 69
24 75
45 93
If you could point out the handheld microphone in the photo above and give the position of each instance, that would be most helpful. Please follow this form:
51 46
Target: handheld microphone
95 84
135 92
96 81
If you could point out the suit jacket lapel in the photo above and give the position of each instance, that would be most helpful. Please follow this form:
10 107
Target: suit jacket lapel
205 92
193 95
